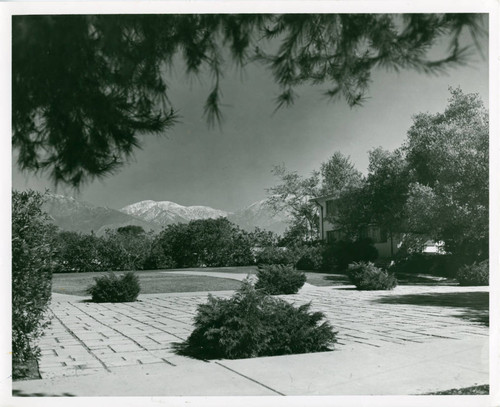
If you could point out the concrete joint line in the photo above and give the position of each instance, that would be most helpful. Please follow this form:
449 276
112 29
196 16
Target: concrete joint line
163 306
116 330
81 342
150 325
249 378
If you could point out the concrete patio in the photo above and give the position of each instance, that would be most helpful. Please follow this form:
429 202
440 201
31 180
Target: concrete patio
412 340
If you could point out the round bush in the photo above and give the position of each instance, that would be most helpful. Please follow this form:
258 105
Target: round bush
110 288
474 274
252 324
366 276
276 279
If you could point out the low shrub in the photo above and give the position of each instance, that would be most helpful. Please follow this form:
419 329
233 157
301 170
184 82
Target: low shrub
273 255
474 274
110 288
366 276
278 279
252 324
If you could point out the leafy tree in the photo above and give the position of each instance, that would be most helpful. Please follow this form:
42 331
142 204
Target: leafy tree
448 154
339 174
77 252
262 238
353 211
126 248
387 189
294 194
32 263
85 86
209 242
345 183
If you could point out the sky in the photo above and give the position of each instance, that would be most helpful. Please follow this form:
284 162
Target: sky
230 167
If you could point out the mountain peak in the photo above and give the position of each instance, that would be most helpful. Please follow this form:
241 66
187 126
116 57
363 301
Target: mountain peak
166 212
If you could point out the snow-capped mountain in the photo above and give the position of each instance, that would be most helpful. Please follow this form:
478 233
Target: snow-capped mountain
73 215
165 212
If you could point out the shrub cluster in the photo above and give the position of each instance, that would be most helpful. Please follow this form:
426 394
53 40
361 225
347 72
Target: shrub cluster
273 255
126 248
276 279
474 274
32 261
252 324
205 242
366 276
110 288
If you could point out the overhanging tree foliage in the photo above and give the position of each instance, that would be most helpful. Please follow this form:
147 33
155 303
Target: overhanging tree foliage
85 86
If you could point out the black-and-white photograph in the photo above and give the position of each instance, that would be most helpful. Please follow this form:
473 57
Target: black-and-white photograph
250 204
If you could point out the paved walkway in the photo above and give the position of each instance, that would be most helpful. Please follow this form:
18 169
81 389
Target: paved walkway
411 340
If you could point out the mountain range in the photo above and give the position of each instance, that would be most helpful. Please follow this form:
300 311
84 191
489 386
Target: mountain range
73 215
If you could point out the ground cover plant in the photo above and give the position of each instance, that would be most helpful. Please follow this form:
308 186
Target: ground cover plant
276 279
474 274
111 288
366 276
253 324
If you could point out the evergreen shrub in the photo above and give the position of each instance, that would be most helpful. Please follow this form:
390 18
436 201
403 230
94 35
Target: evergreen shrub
110 288
366 276
252 324
276 279
32 263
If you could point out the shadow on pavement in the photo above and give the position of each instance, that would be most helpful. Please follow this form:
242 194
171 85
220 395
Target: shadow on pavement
473 306
21 393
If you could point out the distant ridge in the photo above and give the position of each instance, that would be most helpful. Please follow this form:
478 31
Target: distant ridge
165 212
73 215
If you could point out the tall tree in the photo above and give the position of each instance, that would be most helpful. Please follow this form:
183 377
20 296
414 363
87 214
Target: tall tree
85 86
294 195
448 154
339 174
387 189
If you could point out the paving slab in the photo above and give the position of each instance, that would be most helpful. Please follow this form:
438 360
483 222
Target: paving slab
192 379
358 369
414 339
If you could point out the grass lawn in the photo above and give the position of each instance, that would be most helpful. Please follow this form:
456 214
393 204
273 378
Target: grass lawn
152 282
161 281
